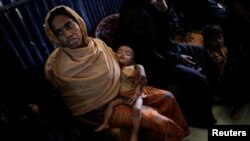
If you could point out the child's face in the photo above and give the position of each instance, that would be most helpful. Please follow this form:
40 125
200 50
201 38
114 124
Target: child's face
125 55
216 41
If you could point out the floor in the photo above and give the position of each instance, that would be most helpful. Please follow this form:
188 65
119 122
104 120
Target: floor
222 115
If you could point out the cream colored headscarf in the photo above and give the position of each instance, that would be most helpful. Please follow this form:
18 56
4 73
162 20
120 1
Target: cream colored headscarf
87 77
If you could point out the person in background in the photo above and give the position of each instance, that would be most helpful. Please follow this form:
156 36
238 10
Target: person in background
87 75
201 12
214 43
239 54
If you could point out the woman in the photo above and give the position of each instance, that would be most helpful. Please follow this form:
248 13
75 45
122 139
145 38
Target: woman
87 74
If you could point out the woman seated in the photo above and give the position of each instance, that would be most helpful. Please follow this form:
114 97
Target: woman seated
87 74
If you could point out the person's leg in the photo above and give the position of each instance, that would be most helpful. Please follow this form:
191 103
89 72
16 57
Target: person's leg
201 58
167 105
158 127
136 119
108 113
211 82
195 100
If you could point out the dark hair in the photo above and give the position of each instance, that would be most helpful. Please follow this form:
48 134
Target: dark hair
211 30
59 11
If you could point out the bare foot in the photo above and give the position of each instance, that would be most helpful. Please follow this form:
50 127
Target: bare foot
133 137
102 127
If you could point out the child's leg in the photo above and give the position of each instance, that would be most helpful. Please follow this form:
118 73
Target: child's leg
108 113
158 127
136 119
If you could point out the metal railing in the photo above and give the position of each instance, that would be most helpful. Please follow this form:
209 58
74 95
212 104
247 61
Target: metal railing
22 37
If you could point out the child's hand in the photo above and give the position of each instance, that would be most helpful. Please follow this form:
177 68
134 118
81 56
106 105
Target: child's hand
132 99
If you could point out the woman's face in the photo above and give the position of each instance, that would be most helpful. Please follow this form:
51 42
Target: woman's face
67 31
125 55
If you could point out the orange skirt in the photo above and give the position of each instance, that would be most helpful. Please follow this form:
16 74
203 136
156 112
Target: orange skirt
160 115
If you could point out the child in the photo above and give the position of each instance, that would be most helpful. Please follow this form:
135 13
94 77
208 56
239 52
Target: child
133 79
214 42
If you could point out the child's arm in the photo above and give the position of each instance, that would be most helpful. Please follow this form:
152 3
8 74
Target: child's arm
138 103
140 82
140 69
138 94
141 79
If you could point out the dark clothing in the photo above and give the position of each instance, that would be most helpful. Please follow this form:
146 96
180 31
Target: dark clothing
240 20
202 12
236 91
144 32
151 35
244 3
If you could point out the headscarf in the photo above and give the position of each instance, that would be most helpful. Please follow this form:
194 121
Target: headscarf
87 77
